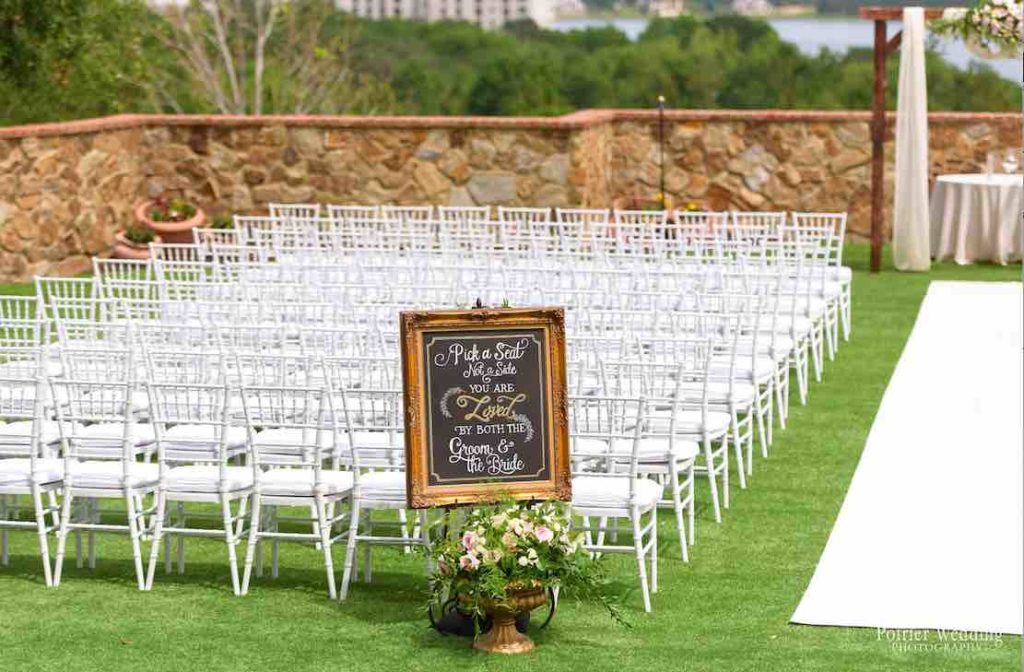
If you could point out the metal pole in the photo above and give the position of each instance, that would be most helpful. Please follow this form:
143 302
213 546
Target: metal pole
878 148
661 151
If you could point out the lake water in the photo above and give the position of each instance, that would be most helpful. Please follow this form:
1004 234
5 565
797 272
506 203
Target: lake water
813 35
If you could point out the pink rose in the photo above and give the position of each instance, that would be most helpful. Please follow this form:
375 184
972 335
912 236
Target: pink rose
469 540
509 540
544 535
469 561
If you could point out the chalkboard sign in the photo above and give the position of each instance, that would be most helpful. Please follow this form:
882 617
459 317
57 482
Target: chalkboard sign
485 405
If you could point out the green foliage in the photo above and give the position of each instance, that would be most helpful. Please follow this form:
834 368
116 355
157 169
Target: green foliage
173 210
513 546
74 58
139 234
62 59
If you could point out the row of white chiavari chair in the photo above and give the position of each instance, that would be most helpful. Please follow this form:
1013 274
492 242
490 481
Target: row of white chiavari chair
725 299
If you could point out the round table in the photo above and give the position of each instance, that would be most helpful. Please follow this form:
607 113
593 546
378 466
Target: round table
977 218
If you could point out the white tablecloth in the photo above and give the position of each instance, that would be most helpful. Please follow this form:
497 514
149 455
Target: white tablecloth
977 218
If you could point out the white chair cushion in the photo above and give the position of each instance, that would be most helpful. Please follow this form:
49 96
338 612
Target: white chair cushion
300 482
587 446
382 485
110 474
718 392
174 437
613 492
692 422
280 438
842 274
801 324
206 478
744 366
49 432
17 472
142 434
656 448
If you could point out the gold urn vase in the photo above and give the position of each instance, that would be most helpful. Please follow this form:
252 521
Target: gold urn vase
503 637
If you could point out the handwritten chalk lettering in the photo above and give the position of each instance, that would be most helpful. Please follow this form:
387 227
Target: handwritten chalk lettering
487 400
486 408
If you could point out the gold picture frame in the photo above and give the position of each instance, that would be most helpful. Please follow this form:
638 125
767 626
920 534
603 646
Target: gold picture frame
435 477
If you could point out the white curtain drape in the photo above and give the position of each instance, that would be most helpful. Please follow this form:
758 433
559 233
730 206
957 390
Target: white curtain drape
910 243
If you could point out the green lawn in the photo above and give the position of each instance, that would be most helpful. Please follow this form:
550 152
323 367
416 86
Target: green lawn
728 610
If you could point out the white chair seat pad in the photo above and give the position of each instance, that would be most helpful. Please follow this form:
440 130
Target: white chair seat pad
102 474
382 485
141 433
207 478
17 472
21 430
692 422
613 492
762 368
279 438
719 392
300 482
200 437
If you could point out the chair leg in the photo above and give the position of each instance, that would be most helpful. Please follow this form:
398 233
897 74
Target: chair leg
135 533
350 548
324 528
738 447
693 505
712 479
403 523
44 546
94 517
229 538
654 549
677 506
250 547
158 533
725 470
5 560
62 536
641 565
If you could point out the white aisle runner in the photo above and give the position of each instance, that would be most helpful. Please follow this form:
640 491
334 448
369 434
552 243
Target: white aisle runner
930 533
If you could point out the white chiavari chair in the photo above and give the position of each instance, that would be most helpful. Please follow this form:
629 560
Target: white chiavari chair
100 464
300 471
197 470
613 488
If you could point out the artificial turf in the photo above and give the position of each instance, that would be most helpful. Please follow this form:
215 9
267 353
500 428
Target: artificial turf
727 610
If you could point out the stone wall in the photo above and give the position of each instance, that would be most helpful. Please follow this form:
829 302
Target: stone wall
66 188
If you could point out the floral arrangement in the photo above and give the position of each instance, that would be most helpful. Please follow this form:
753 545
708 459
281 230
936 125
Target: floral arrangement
173 210
510 547
991 29
138 234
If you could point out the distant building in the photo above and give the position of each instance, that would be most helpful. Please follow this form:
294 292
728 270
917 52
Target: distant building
663 8
752 7
486 13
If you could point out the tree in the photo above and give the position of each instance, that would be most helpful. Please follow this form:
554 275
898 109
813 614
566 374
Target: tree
256 56
64 59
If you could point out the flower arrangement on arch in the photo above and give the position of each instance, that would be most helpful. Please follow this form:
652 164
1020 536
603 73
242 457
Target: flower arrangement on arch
991 29
503 548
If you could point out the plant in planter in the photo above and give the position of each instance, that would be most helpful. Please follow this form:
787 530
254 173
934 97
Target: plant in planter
644 203
502 561
173 218
133 242
222 222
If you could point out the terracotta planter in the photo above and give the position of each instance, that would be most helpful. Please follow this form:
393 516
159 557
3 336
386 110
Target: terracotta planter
640 203
171 232
126 249
503 636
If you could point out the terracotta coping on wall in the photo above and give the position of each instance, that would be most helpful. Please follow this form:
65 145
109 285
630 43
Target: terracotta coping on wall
575 120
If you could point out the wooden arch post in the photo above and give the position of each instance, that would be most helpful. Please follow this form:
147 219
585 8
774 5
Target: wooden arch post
883 47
